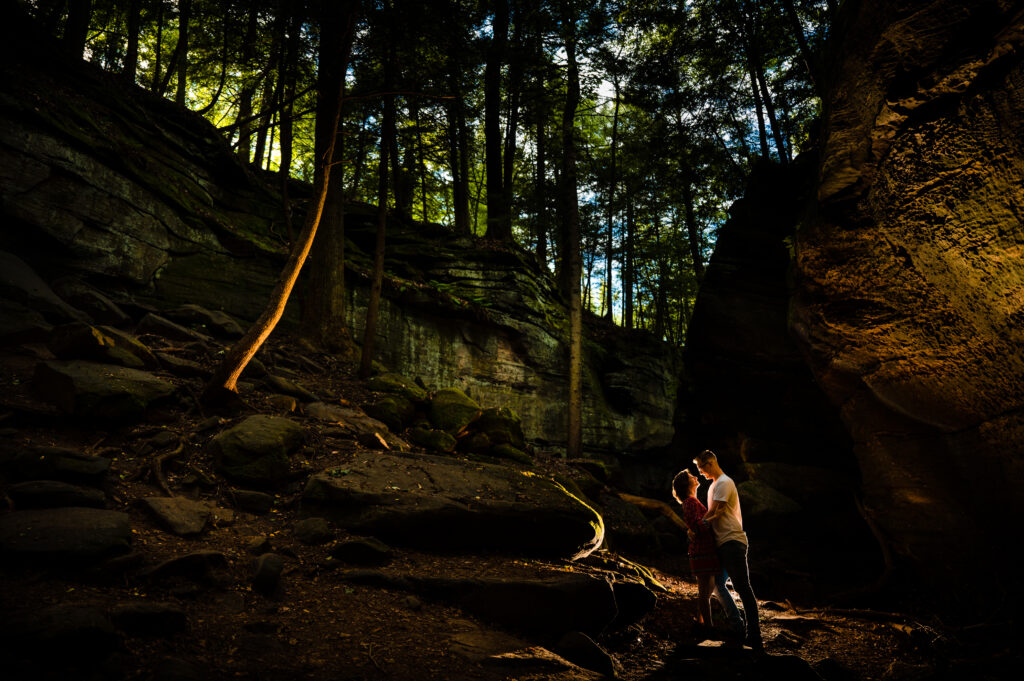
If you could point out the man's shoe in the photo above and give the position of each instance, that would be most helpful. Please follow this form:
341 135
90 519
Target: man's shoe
755 644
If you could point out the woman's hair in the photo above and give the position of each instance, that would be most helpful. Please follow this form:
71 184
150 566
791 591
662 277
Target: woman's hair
681 485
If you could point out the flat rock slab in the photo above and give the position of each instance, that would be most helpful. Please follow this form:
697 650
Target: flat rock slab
438 502
180 515
63 631
101 391
54 463
64 534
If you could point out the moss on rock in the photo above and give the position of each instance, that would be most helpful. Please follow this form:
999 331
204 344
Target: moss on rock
452 410
396 384
434 440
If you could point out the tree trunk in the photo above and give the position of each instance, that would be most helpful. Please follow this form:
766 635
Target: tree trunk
158 50
498 223
613 181
762 133
387 135
248 90
323 309
458 161
574 439
628 273
773 121
225 376
693 232
805 50
181 52
659 289
288 69
131 57
540 207
76 29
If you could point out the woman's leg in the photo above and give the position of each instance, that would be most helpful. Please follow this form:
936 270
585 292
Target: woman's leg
705 587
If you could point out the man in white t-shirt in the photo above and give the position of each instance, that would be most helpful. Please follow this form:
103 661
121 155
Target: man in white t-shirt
726 522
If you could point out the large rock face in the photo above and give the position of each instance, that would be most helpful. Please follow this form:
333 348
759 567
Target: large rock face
124 190
910 284
906 291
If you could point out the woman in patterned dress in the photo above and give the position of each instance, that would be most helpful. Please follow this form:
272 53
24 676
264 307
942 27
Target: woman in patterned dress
703 558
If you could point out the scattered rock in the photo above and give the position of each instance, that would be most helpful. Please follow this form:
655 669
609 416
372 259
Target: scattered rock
259 545
502 426
213 321
177 669
99 391
70 631
252 501
206 566
368 551
19 324
267 571
159 326
288 387
257 450
394 411
180 515
65 534
451 410
20 283
285 403
312 531
149 619
506 451
396 384
434 440
437 502
103 344
179 366
54 493
580 649
54 463
91 301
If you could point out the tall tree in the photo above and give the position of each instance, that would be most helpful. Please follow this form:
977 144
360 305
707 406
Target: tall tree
225 376
499 223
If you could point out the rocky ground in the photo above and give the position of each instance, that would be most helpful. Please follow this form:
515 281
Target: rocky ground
294 536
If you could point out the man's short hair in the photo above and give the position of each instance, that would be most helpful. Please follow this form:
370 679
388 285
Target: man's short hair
705 456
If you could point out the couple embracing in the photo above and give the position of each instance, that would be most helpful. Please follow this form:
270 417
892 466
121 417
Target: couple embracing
718 546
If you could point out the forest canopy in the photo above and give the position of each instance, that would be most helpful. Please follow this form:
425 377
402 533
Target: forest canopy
673 103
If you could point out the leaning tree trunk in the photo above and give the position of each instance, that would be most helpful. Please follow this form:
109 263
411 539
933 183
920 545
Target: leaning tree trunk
225 377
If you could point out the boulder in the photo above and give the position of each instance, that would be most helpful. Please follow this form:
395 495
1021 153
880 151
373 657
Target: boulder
396 384
180 515
312 531
580 649
156 325
62 535
368 551
203 566
507 451
149 619
257 450
288 387
807 485
438 502
20 324
104 344
502 426
367 430
91 301
252 501
61 633
180 366
54 463
267 570
394 411
760 499
434 440
54 494
20 283
214 322
99 391
451 410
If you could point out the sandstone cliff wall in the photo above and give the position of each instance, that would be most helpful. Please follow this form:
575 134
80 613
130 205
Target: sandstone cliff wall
146 202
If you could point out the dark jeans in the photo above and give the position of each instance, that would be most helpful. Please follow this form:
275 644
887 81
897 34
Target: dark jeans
733 555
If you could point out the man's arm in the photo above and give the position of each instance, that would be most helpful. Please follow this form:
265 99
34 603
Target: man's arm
717 509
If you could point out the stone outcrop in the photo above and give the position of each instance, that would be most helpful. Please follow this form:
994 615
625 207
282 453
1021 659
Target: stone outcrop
910 281
122 190
877 320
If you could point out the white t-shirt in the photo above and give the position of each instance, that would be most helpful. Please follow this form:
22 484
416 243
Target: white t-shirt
729 525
